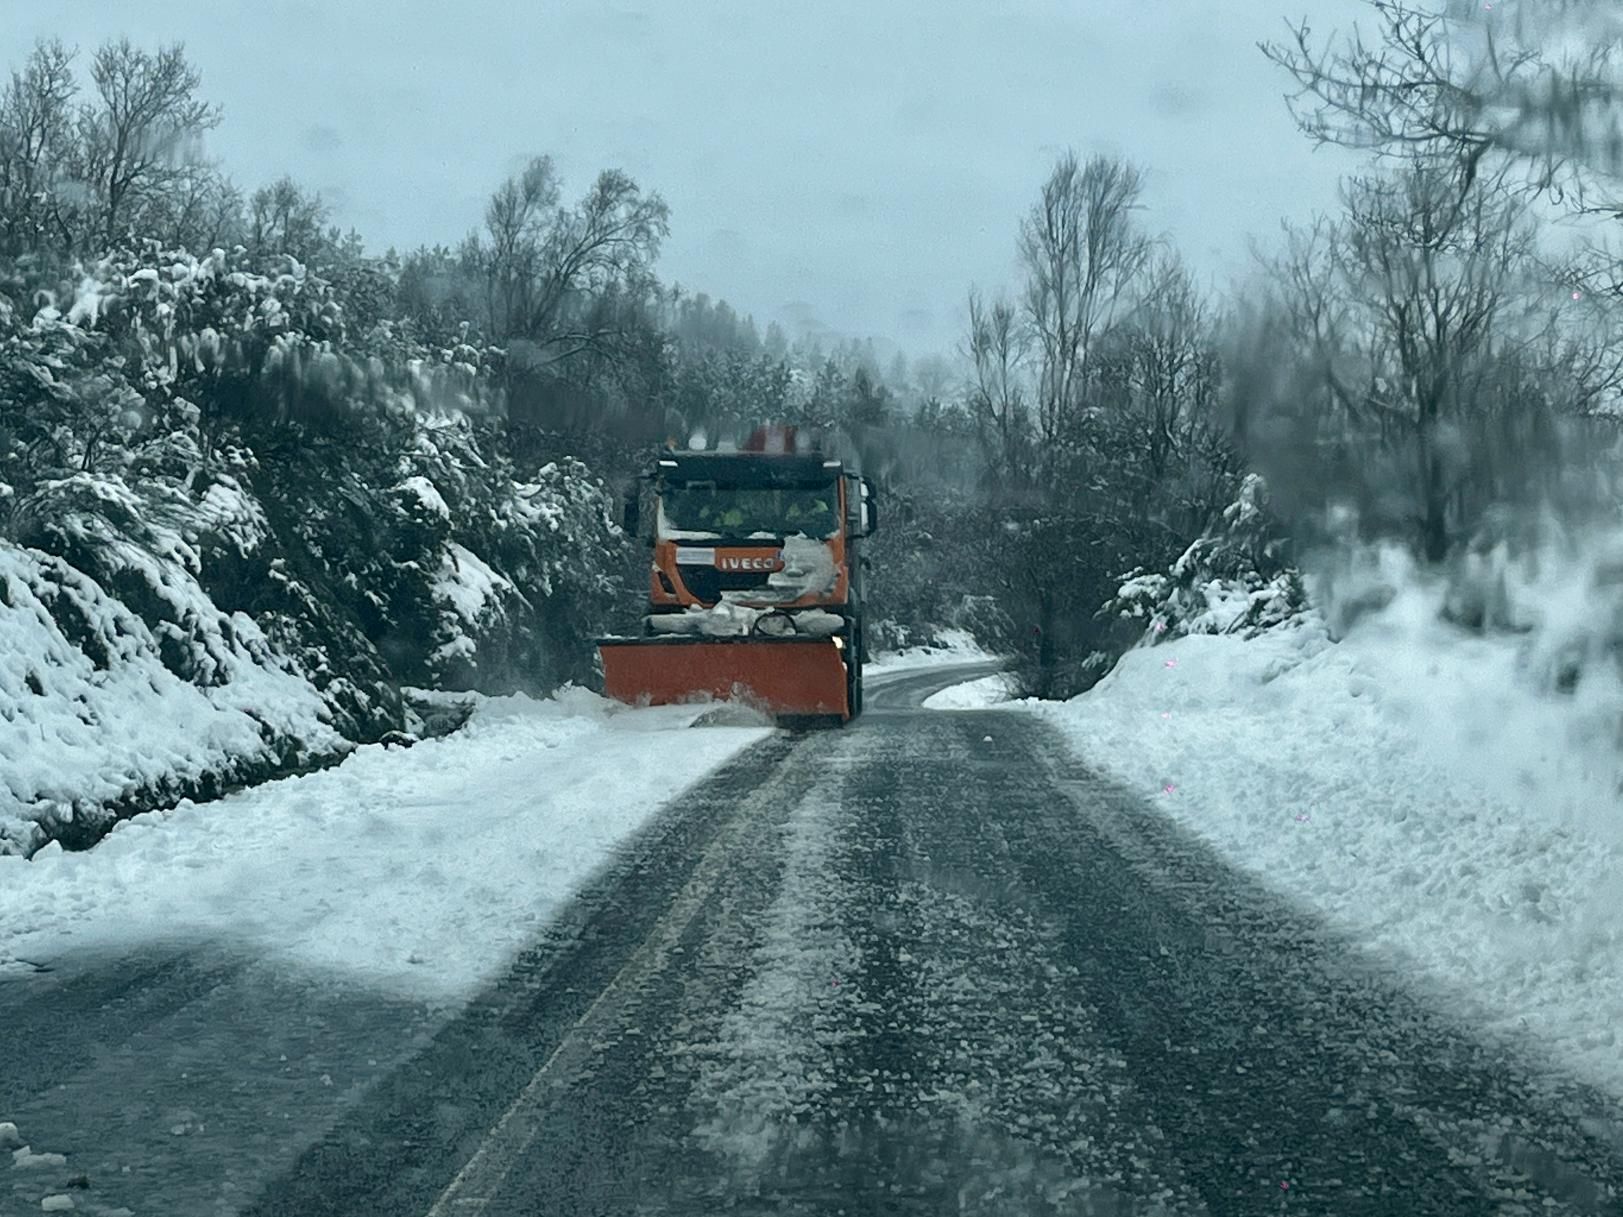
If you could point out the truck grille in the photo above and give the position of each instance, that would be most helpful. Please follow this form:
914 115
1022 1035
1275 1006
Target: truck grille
707 583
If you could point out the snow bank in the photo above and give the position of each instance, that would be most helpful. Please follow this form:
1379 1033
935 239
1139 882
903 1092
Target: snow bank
91 715
957 646
978 694
418 871
1415 784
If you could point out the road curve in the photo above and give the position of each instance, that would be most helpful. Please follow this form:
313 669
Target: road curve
907 689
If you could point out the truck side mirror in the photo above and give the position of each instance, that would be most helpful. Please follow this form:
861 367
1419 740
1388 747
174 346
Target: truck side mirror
870 509
631 517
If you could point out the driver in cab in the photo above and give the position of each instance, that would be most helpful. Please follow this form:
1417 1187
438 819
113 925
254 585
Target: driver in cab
716 514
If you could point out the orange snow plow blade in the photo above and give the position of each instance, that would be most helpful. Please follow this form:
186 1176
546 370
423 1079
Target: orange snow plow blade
784 676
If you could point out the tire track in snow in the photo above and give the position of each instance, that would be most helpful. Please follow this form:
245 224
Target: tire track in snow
772 1065
185 1108
1297 1059
612 1124
59 1023
988 1087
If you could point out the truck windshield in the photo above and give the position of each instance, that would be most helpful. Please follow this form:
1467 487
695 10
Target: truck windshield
737 511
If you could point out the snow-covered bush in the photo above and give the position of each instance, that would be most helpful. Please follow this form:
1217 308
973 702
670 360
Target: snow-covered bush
200 460
103 712
521 571
1231 580
983 619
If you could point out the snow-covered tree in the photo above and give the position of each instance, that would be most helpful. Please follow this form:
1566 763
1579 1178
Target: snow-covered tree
1234 578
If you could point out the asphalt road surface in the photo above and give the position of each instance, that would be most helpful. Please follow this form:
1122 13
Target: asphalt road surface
924 964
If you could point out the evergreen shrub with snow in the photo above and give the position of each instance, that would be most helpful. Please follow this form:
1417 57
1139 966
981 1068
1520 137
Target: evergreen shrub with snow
231 529
1231 580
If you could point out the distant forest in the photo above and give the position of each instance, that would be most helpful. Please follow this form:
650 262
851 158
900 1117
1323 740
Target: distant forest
403 467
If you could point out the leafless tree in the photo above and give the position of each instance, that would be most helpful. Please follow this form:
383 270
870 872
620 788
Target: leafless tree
1170 372
285 218
202 210
932 374
1411 309
1468 84
997 350
546 267
1082 254
36 138
137 143
73 178
1155 450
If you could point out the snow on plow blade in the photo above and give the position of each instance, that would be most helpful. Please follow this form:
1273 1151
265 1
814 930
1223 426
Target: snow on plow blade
784 676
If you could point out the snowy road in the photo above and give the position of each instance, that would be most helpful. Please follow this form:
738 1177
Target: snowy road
925 964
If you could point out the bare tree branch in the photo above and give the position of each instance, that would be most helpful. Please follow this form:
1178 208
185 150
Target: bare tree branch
36 136
1463 84
546 266
1082 255
147 127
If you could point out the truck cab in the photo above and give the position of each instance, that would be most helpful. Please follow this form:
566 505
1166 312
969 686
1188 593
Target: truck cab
756 545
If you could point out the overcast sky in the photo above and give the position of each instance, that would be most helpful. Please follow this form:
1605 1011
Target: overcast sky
854 166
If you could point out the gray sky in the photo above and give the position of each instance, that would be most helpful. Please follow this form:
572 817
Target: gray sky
850 165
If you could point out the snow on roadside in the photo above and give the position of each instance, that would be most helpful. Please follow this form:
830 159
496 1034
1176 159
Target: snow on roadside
90 713
977 694
957 647
1408 784
418 871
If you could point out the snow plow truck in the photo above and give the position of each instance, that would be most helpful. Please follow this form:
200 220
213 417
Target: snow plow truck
755 588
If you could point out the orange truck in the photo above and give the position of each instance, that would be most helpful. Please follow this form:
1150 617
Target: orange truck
755 588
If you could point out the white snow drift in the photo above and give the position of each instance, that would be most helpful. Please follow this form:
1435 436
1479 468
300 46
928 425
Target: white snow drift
416 871
955 646
77 731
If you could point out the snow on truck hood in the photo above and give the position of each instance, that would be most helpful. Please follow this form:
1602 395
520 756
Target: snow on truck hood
808 570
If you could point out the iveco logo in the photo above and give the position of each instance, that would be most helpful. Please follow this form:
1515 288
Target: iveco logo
730 562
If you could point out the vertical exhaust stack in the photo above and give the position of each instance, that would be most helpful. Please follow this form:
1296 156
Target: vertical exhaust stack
755 590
